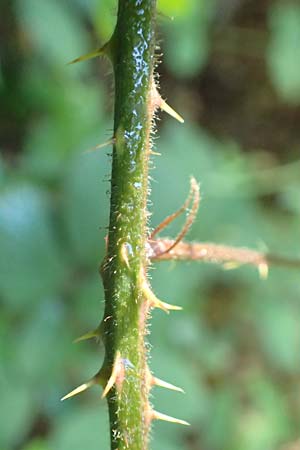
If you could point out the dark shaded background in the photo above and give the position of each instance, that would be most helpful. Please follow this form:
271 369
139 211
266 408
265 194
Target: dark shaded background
232 69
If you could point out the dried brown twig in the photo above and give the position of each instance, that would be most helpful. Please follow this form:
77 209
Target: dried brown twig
163 249
228 257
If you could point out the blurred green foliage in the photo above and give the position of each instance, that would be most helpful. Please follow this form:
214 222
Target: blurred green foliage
232 68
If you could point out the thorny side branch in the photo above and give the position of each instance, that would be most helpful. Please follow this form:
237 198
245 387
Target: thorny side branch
163 249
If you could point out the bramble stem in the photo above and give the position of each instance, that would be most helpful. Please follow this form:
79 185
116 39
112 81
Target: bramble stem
124 269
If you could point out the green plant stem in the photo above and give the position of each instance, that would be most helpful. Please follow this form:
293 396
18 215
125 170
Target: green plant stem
124 324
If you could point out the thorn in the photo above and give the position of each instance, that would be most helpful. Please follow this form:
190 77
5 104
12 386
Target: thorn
155 302
83 387
164 384
263 270
103 51
158 102
165 306
87 56
89 335
154 153
159 416
114 375
167 108
111 141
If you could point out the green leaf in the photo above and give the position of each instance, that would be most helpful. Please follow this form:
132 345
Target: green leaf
54 29
224 214
2 173
85 206
262 422
192 47
17 411
176 7
279 330
283 54
73 123
89 293
31 263
290 198
219 425
36 444
84 428
174 368
43 333
104 16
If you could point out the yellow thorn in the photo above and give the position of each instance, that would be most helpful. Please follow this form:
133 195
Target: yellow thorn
159 416
89 335
158 102
165 306
263 270
87 56
114 375
83 387
164 384
167 108
154 153
103 51
155 302
111 141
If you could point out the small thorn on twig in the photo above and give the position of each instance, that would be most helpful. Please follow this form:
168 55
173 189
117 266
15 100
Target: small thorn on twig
154 153
154 302
164 384
159 416
111 141
87 56
83 387
118 364
89 335
167 108
103 51
158 102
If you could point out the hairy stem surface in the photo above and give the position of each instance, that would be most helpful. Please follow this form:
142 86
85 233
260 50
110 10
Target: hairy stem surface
124 268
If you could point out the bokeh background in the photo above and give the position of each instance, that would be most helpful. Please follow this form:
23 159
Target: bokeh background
232 69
